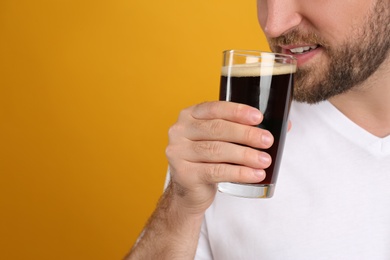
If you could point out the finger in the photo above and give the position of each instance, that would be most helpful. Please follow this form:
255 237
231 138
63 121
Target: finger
222 152
215 173
230 111
221 130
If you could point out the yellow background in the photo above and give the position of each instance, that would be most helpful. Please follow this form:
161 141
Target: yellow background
88 90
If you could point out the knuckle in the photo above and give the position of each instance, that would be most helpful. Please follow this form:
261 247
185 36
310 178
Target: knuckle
186 111
199 106
241 172
214 173
212 149
215 148
216 127
238 173
250 134
219 171
201 109
173 130
185 114
170 151
213 107
226 172
199 125
209 128
237 111
247 154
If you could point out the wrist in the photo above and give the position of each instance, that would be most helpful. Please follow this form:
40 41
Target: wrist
190 203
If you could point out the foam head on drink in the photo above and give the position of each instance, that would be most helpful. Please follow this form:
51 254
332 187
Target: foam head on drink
257 69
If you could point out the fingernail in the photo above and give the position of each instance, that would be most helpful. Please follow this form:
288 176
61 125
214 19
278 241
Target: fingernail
265 158
260 174
256 117
267 139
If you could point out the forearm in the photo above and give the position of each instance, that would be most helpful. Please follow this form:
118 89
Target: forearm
171 232
206 146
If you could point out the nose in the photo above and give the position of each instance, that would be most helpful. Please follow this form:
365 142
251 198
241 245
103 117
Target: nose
277 17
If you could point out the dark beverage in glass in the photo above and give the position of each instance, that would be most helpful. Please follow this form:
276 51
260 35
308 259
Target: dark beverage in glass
265 81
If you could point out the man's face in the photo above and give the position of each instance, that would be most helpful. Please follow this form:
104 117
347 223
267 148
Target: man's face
338 44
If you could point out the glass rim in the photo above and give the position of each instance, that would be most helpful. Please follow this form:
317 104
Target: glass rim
257 53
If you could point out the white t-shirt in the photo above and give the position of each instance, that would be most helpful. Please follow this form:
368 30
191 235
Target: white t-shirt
332 198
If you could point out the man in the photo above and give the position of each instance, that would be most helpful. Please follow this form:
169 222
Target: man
333 194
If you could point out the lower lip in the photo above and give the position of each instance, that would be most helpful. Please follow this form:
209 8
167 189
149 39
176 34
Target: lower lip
305 57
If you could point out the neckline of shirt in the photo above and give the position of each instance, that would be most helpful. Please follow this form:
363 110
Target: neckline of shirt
350 130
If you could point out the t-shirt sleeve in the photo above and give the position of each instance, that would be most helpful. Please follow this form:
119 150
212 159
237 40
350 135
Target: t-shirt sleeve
203 251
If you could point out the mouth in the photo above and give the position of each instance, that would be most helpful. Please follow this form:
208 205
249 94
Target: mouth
299 50
302 53
303 49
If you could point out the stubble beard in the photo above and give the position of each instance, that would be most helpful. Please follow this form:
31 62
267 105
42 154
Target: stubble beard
347 65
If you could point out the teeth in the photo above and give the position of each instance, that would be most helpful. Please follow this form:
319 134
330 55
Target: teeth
300 50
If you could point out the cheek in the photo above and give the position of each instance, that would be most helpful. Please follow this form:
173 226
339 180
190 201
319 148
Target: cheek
334 21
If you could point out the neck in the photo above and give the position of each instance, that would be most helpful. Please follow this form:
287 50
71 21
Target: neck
368 105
